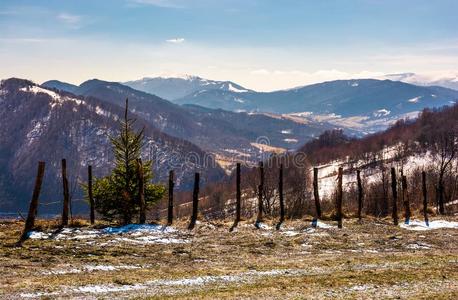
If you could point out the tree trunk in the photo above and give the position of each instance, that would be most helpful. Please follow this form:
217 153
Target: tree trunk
339 198
66 193
195 202
316 195
33 208
441 194
141 191
405 200
394 190
170 206
89 192
425 199
260 195
360 194
280 193
238 197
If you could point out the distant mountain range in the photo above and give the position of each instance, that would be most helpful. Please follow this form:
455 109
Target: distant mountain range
172 88
226 134
363 105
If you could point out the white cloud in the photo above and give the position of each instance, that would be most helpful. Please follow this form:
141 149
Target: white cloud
176 40
158 3
69 18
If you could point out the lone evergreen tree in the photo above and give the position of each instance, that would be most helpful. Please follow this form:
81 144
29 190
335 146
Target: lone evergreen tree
117 196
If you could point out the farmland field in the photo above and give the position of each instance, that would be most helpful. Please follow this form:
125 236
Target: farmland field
371 259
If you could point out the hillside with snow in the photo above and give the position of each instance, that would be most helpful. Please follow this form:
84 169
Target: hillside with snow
43 124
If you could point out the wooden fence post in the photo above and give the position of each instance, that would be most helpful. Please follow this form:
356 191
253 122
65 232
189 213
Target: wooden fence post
89 192
260 195
360 194
316 195
195 202
66 193
30 221
141 191
394 190
425 198
339 198
170 206
405 200
280 192
238 197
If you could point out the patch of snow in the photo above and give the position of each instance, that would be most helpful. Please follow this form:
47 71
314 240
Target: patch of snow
290 233
132 233
286 131
454 202
415 100
436 224
381 113
264 226
90 268
245 277
36 89
235 89
291 140
418 246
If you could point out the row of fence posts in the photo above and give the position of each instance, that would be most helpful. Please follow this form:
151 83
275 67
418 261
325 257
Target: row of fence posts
30 221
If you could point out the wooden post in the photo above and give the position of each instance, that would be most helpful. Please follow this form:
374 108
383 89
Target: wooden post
195 202
316 195
30 221
360 194
66 193
280 192
89 192
170 206
141 191
260 195
394 190
238 197
425 198
339 198
405 200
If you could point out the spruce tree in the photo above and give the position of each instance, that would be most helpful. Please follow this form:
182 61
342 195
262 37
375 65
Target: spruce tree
117 195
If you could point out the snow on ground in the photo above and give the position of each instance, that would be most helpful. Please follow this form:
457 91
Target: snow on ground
89 268
245 277
57 99
327 173
436 224
132 233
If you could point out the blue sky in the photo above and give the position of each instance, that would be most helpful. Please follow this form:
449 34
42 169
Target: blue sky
262 44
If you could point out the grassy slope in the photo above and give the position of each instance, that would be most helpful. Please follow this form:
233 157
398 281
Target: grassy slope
370 260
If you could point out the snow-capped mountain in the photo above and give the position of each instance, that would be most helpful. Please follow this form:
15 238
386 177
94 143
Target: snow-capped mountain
448 81
364 104
37 123
172 88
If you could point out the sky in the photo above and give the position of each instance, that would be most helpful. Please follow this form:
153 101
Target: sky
261 44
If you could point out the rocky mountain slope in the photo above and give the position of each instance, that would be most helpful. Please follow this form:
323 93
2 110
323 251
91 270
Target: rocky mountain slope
42 124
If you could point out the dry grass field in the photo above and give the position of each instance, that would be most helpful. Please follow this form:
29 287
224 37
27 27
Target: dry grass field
371 260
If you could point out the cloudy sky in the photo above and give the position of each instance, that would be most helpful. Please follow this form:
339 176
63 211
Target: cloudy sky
261 44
